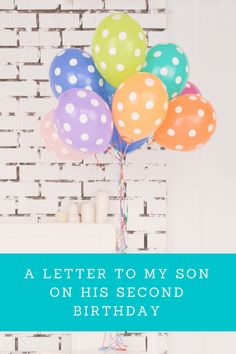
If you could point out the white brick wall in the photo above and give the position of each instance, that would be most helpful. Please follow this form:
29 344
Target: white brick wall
33 184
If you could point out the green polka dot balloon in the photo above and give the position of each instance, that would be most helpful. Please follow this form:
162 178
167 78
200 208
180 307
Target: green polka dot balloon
119 48
170 64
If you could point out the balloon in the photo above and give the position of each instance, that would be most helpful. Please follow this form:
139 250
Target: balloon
189 124
190 89
84 120
139 106
119 47
54 144
110 90
121 146
170 64
75 68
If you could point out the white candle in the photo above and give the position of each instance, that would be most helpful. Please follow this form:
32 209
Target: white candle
87 213
73 208
101 206
73 213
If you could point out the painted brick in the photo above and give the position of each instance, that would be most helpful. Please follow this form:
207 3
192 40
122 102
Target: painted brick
12 189
19 122
156 173
59 20
146 189
36 72
46 156
7 172
30 139
145 20
19 219
18 88
45 219
18 55
146 223
137 342
90 188
157 4
8 72
112 172
8 105
39 38
73 173
37 206
125 5
156 206
157 241
45 89
135 241
8 38
17 20
7 206
136 206
52 189
151 20
78 38
6 342
134 172
92 20
7 5
39 172
47 55
81 4
8 139
37 105
156 37
147 157
102 159
37 5
21 155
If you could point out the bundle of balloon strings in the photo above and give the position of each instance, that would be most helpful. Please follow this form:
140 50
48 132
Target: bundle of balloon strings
113 341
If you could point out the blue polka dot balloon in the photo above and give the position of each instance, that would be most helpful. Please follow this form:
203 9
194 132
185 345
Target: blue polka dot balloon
168 62
74 68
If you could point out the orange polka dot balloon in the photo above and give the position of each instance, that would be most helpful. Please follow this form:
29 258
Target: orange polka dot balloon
139 106
189 124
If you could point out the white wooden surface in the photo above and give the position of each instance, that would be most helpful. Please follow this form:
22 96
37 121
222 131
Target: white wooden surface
57 238
201 185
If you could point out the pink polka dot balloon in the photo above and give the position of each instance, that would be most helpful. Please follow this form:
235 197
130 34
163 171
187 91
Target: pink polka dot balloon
190 89
54 144
84 120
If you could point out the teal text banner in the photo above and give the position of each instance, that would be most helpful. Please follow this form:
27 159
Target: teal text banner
115 292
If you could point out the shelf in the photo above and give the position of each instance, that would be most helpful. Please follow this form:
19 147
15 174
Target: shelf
57 238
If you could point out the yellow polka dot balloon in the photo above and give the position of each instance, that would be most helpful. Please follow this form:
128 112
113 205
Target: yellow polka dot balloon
119 47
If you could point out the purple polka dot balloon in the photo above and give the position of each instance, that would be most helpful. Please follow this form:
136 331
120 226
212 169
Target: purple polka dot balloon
84 120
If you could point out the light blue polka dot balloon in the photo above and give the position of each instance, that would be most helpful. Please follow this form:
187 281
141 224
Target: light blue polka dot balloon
74 68
170 64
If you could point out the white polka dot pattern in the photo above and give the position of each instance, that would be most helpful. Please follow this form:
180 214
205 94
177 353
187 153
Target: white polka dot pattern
69 108
119 47
189 124
139 108
170 63
75 68
84 121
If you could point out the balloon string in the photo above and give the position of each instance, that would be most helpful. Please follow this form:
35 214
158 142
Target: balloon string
117 157
122 243
114 342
